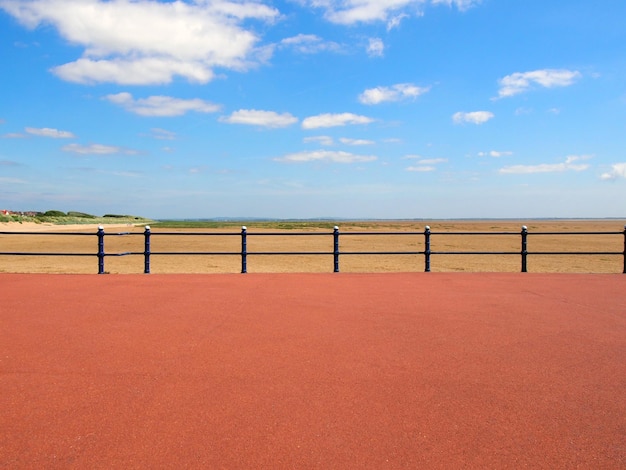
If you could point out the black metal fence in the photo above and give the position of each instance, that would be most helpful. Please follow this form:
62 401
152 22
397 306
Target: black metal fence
336 253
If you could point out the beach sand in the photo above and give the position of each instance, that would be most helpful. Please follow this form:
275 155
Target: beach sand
124 247
47 227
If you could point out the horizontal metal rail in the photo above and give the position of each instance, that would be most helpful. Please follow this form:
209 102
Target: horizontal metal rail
32 253
427 252
475 253
199 234
574 233
50 233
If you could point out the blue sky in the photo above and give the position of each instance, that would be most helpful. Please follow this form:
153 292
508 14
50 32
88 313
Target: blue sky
314 108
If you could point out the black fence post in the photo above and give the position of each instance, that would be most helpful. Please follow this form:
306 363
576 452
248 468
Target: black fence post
100 249
624 271
427 249
146 251
524 248
244 250
336 249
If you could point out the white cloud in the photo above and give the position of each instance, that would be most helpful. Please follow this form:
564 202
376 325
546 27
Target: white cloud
390 11
309 44
147 41
421 168
96 149
424 164
395 21
347 141
475 117
568 165
255 117
161 106
325 156
460 4
375 47
144 71
432 161
520 82
47 132
320 139
398 92
495 154
334 120
618 170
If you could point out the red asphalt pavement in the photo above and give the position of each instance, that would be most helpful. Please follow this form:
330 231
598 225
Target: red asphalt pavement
299 371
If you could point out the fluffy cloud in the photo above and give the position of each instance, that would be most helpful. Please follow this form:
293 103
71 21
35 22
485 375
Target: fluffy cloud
390 11
568 165
161 106
398 92
476 117
148 41
325 156
618 170
334 120
255 117
97 149
47 132
520 82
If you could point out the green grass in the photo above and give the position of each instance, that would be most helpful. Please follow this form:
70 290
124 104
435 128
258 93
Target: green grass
275 225
10 218
74 218
68 220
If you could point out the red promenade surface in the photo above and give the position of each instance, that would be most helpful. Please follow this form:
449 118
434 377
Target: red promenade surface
273 371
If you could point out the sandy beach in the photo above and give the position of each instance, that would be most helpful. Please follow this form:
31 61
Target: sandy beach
48 227
124 246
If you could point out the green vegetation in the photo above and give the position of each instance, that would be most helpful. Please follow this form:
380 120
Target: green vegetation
80 214
237 224
10 218
54 213
72 218
195 224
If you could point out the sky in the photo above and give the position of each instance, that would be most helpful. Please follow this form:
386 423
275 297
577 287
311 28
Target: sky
395 109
